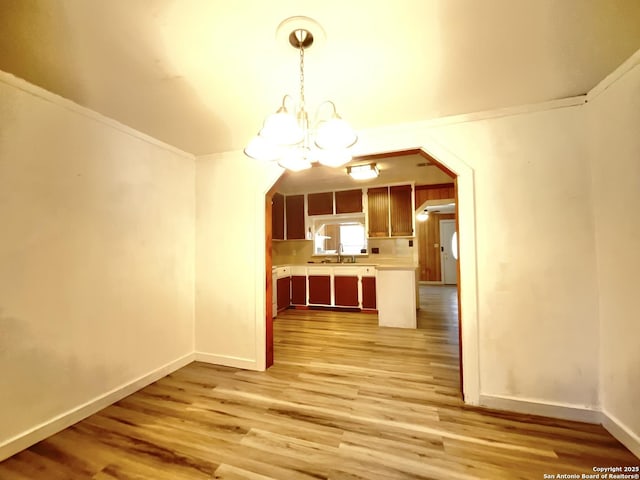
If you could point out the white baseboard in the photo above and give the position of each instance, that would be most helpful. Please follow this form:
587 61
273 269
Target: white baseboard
227 361
623 434
64 420
533 407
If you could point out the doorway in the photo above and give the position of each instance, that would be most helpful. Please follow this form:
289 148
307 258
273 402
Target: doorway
379 157
449 252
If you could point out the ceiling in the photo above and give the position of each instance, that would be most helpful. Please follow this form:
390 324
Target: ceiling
202 74
403 167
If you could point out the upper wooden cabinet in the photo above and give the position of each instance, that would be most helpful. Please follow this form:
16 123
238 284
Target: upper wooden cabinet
378 208
401 211
320 203
295 217
277 217
349 201
390 211
345 201
434 192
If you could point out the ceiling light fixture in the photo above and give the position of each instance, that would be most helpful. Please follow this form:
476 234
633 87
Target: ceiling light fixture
423 216
286 135
363 172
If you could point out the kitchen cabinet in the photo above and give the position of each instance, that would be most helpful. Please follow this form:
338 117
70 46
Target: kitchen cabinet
368 293
368 284
401 210
346 286
349 201
284 292
390 211
277 217
298 289
295 217
378 210
320 203
345 291
320 289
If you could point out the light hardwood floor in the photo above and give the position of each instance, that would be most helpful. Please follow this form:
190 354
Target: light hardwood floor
344 400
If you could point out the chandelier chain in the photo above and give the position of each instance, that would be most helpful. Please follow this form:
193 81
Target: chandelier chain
301 76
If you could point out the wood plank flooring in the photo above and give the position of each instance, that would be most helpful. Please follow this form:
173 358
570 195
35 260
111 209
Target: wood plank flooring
344 400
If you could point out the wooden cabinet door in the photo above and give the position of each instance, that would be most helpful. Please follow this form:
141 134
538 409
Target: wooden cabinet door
284 293
320 203
295 217
277 217
401 211
298 290
320 289
378 201
349 201
345 291
369 293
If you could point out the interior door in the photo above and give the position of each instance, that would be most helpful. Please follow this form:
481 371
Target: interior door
448 260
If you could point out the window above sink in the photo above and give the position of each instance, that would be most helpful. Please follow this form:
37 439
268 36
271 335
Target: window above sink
339 234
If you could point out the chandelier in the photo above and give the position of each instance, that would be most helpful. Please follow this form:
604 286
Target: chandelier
287 136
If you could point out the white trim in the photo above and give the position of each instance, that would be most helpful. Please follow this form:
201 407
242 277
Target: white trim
62 102
621 432
563 411
614 76
468 280
60 422
405 131
508 111
227 361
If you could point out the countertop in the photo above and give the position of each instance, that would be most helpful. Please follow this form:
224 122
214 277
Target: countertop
379 266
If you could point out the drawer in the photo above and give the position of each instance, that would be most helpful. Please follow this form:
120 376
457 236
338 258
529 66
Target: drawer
368 271
344 271
298 270
282 272
319 270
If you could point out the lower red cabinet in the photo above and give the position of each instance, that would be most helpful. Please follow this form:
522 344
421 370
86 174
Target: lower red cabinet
298 290
320 289
345 291
369 293
284 293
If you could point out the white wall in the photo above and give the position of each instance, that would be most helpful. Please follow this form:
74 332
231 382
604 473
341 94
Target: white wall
230 259
614 118
538 319
96 258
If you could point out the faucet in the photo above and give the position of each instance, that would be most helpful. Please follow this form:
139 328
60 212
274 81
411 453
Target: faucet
340 250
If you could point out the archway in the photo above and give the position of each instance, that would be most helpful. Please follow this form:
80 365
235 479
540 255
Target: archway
465 215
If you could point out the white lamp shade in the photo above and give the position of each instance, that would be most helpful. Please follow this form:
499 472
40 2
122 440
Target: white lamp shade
335 134
282 129
295 159
261 149
334 158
